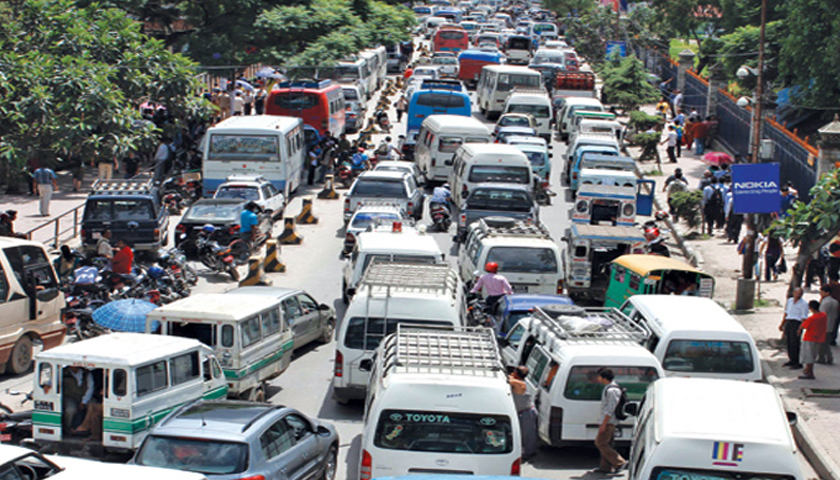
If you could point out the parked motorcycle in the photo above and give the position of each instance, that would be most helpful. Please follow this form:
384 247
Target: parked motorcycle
174 202
15 427
216 257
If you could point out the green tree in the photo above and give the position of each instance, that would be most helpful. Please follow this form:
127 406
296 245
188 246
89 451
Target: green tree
589 32
625 83
811 225
80 74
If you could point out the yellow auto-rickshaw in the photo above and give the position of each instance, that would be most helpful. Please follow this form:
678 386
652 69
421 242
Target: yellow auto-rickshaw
646 274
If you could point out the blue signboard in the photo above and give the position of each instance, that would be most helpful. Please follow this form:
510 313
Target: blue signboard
755 188
616 48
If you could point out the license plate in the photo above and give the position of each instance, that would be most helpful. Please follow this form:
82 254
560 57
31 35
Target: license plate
95 235
6 437
617 432
520 288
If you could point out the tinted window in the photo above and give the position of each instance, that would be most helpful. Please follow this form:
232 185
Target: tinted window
449 144
524 260
227 336
494 199
213 212
350 94
379 188
127 210
537 159
241 193
120 382
279 438
151 378
500 173
296 100
210 457
708 356
519 44
539 111
183 368
377 328
447 432
441 100
582 383
513 121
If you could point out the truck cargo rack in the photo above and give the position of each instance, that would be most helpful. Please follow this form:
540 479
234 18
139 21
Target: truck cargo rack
140 187
409 276
445 350
621 328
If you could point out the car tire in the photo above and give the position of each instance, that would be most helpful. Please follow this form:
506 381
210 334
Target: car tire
20 360
329 331
330 464
344 297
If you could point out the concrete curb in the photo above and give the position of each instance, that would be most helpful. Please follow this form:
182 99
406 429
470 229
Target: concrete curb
805 439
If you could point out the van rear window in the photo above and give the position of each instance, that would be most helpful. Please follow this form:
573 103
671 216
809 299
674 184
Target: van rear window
496 199
399 259
444 432
582 383
499 173
379 188
538 111
708 356
127 210
366 335
524 260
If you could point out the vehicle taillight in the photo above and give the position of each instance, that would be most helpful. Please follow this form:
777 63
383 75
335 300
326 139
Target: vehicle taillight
156 233
516 467
464 190
83 234
434 162
463 221
233 230
346 204
559 287
338 369
349 238
366 468
181 228
253 477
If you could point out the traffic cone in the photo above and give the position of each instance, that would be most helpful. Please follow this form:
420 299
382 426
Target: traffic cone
272 262
328 192
256 274
289 235
306 217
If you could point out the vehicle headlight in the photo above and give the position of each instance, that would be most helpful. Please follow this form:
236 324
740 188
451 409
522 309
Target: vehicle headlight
582 206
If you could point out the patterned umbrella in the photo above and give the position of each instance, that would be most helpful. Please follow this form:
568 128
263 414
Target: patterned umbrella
128 315
717 158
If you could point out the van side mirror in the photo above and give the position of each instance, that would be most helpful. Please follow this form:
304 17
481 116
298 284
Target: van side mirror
323 307
464 194
322 431
366 365
792 418
448 163
550 155
631 409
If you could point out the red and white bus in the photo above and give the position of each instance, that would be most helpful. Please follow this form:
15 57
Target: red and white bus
450 39
320 104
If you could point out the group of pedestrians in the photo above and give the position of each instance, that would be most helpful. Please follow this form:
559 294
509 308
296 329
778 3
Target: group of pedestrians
233 101
809 329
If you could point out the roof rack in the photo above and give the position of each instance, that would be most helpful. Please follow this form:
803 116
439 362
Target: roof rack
488 226
420 277
461 350
123 186
601 324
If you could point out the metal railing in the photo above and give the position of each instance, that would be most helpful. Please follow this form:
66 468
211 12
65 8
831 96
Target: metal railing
57 238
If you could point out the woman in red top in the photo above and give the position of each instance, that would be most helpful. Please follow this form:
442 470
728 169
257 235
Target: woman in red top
123 260
814 334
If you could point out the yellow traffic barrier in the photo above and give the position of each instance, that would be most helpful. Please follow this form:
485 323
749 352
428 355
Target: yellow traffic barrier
306 217
256 274
328 192
289 235
272 262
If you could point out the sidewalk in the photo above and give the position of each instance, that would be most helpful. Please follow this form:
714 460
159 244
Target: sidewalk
818 428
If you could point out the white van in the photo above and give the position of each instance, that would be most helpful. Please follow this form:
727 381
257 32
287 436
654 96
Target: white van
692 428
403 244
431 24
439 139
573 104
142 378
695 337
587 126
476 163
439 402
498 81
533 102
30 303
390 294
600 140
248 334
527 255
563 347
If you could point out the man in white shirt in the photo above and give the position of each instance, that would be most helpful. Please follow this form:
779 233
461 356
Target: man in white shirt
796 310
671 140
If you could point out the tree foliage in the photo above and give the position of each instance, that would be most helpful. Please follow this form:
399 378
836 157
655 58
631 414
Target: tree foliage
625 83
590 32
79 75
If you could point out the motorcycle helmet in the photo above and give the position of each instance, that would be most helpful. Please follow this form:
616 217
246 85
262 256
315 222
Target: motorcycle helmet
651 234
661 215
156 272
208 229
446 186
491 267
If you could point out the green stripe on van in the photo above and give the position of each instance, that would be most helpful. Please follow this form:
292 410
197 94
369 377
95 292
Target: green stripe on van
259 365
46 418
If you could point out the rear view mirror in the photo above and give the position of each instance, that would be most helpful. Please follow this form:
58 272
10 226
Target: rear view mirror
366 365
631 409
323 307
464 194
448 163
792 418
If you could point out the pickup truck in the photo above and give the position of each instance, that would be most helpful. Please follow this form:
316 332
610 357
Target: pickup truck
130 209
395 187
497 200
575 84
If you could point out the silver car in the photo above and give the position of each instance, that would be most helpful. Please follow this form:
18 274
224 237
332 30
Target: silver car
227 440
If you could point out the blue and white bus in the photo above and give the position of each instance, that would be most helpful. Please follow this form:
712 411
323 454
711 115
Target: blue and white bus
268 145
437 97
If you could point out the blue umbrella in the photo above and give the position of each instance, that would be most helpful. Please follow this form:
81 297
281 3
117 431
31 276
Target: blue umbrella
128 315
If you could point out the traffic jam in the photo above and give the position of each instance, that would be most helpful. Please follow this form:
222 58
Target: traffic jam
469 289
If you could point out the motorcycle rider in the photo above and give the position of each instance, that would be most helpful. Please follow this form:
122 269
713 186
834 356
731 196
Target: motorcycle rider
383 151
656 243
441 196
360 161
495 286
382 120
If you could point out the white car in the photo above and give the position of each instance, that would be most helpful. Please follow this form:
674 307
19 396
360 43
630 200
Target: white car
401 166
448 66
256 188
370 216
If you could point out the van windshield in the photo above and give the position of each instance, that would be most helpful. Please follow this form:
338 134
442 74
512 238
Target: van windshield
667 473
582 383
524 260
505 200
363 335
537 159
210 457
708 356
499 173
444 432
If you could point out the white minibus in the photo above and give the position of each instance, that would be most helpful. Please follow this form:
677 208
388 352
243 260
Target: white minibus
439 139
497 81
476 163
268 145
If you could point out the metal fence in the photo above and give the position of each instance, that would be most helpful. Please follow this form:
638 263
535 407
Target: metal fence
798 162
734 126
696 93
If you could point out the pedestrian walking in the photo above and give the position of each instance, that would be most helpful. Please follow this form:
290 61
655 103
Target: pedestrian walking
712 205
44 181
402 106
662 108
733 220
106 165
676 102
831 307
523 401
796 310
132 165
248 100
772 253
238 103
259 100
812 331
679 129
673 184
671 140
611 460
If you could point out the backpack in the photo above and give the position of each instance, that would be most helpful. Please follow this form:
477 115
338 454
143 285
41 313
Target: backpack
716 200
382 149
622 401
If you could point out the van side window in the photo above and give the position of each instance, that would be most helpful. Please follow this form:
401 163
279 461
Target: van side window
151 378
250 331
271 321
205 370
120 382
227 336
183 368
635 281
45 376
515 336
291 309
536 364
549 378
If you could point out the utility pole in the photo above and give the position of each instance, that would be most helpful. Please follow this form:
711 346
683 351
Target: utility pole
617 19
